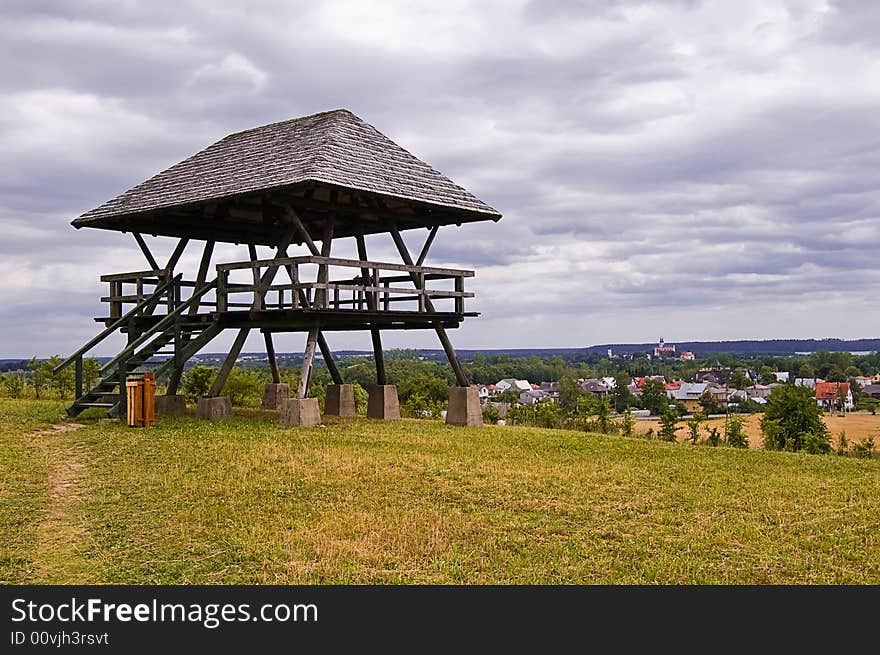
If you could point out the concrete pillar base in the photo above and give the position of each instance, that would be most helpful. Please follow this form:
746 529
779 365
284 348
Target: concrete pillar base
274 394
171 405
211 408
300 412
339 400
383 402
464 407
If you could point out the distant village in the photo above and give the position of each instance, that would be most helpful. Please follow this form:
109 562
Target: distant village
690 394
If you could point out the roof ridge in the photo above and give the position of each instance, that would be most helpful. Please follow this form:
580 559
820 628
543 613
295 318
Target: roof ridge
299 119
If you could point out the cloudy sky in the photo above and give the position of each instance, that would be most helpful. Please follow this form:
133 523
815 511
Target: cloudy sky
696 170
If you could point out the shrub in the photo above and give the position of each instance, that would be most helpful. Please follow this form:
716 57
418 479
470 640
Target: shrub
244 386
713 438
842 443
627 423
816 444
418 406
361 398
197 382
863 448
668 419
693 427
12 385
490 414
734 434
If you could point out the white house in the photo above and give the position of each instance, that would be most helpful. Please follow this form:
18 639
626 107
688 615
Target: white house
510 384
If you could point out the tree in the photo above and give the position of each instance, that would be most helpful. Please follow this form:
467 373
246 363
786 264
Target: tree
710 403
570 392
852 371
835 375
734 434
91 372
668 419
428 387
507 396
603 416
739 380
621 397
63 381
654 397
790 414
38 376
767 375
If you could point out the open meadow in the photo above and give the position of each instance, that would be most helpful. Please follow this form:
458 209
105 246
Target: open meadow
243 500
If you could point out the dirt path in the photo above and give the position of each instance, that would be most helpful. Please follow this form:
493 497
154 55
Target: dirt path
57 558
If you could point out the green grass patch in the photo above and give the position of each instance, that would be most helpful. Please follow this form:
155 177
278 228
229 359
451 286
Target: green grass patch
244 500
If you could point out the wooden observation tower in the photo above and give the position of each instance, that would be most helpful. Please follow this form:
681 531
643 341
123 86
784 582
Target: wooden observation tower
299 185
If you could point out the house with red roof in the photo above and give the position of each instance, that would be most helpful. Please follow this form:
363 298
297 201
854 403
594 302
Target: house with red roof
835 396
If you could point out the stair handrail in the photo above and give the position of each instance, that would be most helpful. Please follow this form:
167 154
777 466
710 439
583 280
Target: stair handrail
117 324
158 327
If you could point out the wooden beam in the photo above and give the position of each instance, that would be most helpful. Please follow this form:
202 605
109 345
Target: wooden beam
308 357
273 361
175 256
379 356
303 232
226 369
258 297
201 278
144 249
328 359
460 376
372 298
427 245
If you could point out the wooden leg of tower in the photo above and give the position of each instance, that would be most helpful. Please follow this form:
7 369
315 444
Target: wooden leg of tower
379 356
327 354
460 376
270 353
308 358
226 369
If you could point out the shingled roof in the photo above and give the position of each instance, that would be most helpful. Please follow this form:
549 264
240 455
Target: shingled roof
327 164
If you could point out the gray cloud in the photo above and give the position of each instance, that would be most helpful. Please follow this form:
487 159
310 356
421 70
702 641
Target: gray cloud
705 169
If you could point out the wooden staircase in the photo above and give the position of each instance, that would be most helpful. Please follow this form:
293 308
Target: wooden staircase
186 333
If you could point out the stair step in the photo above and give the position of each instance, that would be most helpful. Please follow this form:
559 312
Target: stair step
79 404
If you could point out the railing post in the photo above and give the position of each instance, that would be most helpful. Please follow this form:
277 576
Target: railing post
459 300
115 305
79 376
222 279
373 298
421 291
293 272
386 296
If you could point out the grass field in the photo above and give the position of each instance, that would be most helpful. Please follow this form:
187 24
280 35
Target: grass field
243 500
857 426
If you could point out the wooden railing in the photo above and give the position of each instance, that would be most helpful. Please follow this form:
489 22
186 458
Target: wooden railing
377 287
134 287
162 289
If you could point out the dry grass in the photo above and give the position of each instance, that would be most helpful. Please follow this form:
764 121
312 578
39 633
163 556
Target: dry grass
243 500
858 426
